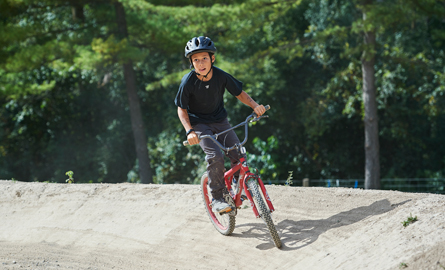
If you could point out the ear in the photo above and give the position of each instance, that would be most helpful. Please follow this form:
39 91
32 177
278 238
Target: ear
213 58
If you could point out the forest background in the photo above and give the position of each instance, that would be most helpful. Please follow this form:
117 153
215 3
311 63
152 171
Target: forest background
86 85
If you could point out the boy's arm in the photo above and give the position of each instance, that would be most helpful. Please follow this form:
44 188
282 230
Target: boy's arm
246 99
192 138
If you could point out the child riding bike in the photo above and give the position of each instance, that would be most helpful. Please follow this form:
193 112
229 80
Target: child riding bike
200 101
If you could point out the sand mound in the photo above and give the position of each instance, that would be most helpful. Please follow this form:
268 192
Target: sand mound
129 226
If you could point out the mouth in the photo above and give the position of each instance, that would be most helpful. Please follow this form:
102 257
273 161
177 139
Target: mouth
202 70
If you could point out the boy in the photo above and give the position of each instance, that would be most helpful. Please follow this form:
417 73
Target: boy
200 102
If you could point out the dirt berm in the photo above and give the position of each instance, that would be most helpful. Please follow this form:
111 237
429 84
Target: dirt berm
131 226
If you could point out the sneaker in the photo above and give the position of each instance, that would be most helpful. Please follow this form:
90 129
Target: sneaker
221 206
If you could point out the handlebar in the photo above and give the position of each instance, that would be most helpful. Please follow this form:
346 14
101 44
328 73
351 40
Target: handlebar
250 119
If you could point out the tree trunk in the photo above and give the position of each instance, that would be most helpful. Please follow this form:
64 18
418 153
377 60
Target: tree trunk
135 110
372 160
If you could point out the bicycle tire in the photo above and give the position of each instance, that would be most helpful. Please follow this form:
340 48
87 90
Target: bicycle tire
263 210
225 224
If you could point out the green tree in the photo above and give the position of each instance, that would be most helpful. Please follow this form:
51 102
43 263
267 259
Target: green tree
65 40
64 85
388 26
372 146
135 111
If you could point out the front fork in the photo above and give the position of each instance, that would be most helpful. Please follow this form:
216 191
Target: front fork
245 175
263 190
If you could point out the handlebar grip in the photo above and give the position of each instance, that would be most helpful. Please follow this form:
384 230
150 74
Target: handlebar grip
267 107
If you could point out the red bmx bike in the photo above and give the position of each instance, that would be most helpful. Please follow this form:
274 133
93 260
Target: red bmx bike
248 186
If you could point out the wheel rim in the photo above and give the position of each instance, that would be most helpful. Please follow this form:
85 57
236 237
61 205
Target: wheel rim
222 221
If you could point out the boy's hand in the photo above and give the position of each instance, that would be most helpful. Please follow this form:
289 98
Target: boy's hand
259 110
192 138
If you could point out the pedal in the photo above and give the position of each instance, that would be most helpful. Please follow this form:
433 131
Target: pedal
230 212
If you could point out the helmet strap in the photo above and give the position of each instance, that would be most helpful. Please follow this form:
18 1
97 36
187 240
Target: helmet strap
205 76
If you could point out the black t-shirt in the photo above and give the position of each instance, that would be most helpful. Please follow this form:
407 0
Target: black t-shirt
204 101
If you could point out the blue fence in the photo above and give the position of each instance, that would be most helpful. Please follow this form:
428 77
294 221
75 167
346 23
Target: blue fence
420 185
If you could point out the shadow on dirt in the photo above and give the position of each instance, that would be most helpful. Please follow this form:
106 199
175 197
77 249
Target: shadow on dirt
298 234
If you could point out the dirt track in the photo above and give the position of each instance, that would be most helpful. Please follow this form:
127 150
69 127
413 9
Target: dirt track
129 226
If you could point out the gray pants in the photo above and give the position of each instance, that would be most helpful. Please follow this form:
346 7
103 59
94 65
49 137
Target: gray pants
214 155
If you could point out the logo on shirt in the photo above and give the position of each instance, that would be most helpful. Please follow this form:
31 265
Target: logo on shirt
207 86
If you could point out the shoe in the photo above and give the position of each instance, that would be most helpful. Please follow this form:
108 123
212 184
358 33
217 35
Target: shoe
221 206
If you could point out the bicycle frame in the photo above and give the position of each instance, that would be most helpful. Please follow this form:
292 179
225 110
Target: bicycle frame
245 174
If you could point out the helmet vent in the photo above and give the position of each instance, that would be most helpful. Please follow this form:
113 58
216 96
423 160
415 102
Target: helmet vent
199 44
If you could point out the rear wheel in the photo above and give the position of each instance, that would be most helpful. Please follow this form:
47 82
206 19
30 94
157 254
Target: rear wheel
263 210
225 224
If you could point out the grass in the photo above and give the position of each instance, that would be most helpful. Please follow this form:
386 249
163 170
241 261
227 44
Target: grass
289 181
409 220
70 177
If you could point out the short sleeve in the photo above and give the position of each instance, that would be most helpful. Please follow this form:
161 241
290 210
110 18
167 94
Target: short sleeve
234 86
182 97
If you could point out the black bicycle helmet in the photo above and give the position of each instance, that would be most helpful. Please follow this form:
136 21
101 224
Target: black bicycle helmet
199 44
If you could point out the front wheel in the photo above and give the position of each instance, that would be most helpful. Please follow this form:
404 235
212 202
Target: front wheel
225 224
263 210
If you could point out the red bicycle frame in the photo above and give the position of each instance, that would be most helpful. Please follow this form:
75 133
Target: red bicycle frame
245 174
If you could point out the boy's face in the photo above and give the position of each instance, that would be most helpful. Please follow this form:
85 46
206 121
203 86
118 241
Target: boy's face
202 62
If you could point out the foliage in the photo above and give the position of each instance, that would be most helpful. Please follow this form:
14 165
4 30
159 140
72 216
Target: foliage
289 181
70 177
409 220
64 104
